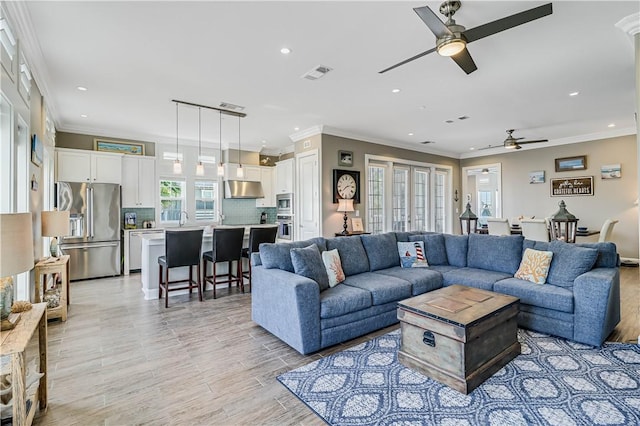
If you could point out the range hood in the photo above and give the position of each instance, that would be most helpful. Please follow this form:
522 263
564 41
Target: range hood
242 189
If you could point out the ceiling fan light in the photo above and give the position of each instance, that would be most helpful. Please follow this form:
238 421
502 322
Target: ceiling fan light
451 47
511 146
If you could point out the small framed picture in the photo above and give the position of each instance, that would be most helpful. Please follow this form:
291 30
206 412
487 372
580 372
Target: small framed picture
356 224
131 148
568 164
36 150
610 171
536 177
345 158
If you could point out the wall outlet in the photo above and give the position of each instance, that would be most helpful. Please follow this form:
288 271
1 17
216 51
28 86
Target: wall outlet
357 213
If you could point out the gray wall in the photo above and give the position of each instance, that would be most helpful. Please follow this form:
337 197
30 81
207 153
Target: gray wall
613 198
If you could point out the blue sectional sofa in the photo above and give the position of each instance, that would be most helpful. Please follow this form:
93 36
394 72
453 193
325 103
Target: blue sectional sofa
580 300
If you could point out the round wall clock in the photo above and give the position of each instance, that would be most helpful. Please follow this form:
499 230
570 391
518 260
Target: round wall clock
346 184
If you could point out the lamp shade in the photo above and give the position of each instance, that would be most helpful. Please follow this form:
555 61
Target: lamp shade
16 243
55 223
345 205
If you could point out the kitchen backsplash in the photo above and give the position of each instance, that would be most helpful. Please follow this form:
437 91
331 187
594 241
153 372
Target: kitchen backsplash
244 212
141 215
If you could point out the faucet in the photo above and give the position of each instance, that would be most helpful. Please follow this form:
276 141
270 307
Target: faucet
186 215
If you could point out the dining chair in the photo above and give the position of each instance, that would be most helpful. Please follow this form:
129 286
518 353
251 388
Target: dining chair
257 236
498 226
607 229
535 229
182 248
226 247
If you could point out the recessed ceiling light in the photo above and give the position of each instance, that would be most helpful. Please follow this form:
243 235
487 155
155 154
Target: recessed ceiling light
410 134
471 149
612 125
449 121
296 128
395 91
81 88
574 93
422 107
83 115
264 142
285 50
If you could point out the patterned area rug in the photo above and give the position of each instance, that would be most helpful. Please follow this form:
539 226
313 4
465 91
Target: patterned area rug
553 382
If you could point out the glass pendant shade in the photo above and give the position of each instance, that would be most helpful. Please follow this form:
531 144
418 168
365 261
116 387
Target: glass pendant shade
220 169
200 169
451 47
177 167
240 171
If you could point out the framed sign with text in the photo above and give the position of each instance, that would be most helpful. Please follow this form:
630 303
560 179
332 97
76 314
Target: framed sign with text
574 186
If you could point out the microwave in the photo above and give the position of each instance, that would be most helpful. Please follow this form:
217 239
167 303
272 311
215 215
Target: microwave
284 204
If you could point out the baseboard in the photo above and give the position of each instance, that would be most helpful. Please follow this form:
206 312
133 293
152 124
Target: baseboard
629 262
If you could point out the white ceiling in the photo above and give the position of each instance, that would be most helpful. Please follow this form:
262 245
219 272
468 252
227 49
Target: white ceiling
135 57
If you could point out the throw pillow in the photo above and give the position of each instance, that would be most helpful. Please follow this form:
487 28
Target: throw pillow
412 255
331 260
534 266
307 262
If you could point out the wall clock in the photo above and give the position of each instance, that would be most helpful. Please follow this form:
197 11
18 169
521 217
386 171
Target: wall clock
346 184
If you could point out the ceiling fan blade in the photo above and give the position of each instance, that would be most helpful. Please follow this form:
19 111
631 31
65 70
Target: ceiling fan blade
494 27
437 27
465 61
413 58
536 141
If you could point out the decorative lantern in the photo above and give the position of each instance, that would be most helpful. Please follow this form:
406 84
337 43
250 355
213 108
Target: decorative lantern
466 218
563 225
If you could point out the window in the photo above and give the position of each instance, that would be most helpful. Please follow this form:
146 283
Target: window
375 202
206 197
440 212
172 200
400 198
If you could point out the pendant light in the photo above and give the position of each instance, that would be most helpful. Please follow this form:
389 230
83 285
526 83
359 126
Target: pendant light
220 165
200 166
177 165
240 170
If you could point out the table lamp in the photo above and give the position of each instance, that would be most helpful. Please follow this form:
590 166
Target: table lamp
16 256
345 205
55 224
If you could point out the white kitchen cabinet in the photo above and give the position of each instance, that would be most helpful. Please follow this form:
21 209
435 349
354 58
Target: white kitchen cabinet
77 165
284 176
267 177
133 247
138 182
251 173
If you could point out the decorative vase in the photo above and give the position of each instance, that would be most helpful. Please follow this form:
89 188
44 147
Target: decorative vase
6 296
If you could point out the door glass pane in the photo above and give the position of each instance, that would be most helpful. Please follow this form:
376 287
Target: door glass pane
439 210
375 200
399 199
420 200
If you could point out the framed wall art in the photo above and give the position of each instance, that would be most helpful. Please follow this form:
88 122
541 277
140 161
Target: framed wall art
574 186
345 158
130 148
536 177
568 164
610 171
36 150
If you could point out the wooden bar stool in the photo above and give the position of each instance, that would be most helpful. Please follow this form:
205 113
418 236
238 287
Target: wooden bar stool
227 247
182 248
257 236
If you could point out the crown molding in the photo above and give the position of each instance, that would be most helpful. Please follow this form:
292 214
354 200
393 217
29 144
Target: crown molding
28 43
630 25
306 133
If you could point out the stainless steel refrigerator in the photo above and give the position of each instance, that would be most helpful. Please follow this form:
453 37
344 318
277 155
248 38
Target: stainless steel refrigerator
94 240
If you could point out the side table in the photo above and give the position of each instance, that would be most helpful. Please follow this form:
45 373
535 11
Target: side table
14 344
59 266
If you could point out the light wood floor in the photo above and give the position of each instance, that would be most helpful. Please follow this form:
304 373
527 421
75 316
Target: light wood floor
121 360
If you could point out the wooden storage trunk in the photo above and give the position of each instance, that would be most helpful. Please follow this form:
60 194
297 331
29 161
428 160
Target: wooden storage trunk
458 335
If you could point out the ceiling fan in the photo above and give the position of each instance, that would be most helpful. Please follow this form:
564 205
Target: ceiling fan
513 143
452 39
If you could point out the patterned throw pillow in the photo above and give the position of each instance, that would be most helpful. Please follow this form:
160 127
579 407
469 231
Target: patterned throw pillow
534 266
412 255
332 264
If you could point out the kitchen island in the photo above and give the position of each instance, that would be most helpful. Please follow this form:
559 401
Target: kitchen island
153 247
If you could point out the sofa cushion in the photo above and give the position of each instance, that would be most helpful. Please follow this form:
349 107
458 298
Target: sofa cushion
422 279
544 296
472 277
342 300
307 262
276 255
500 253
381 250
534 266
383 288
352 254
434 247
412 254
569 261
607 254
333 265
456 246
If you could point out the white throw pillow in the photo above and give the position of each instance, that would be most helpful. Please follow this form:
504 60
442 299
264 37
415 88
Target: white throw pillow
333 265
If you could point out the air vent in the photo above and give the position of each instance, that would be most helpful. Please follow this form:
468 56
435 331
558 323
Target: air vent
426 142
463 117
317 72
449 121
231 107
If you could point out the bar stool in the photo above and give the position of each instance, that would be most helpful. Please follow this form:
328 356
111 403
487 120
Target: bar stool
227 247
257 236
182 248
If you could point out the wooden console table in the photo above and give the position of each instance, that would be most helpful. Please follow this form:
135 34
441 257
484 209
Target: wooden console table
59 266
14 344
